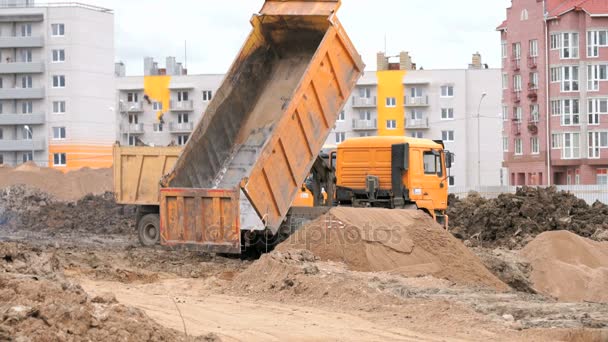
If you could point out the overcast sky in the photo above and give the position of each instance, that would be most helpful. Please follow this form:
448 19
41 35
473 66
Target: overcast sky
438 33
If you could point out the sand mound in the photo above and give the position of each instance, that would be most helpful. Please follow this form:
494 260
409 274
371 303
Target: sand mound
68 186
402 242
569 267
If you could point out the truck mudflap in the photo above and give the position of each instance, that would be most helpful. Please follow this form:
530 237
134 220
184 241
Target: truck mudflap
205 220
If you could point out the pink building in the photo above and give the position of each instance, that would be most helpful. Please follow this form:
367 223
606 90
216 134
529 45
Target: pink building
555 92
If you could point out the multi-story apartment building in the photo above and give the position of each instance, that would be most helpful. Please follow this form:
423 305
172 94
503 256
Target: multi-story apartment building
461 107
555 94
163 106
56 84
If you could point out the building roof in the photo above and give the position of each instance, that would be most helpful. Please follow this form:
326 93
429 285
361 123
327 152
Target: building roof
557 8
502 26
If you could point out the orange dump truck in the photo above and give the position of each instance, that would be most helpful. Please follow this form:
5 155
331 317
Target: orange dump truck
248 157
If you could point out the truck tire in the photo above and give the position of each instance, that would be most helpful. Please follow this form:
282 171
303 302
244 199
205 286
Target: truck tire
148 230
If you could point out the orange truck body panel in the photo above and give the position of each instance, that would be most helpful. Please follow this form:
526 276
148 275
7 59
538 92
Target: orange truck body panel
271 116
361 157
137 172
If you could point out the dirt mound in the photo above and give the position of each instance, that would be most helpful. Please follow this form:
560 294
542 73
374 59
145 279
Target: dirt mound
508 266
569 267
513 220
25 208
402 242
69 186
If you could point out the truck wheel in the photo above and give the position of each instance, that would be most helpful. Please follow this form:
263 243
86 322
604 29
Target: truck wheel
148 230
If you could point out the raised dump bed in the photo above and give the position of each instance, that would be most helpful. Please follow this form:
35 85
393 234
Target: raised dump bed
249 155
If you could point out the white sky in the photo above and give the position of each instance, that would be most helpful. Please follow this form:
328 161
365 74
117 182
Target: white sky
438 34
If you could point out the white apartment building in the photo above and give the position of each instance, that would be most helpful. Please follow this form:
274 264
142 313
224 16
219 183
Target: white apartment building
56 84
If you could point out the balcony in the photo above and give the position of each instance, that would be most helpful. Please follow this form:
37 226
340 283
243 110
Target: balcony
416 101
21 119
177 106
363 102
22 68
516 64
365 125
532 62
132 129
21 145
516 127
186 127
21 42
417 123
21 93
532 92
131 107
517 96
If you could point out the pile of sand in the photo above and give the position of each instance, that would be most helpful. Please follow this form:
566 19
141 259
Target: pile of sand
404 242
68 186
569 267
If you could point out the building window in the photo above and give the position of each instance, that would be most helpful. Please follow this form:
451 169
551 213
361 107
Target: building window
416 114
557 141
504 49
597 141
447 136
132 97
132 140
26 133
505 144
556 41
517 83
391 102
157 105
556 75
341 116
534 48
25 56
447 113
133 119
182 96
183 118
27 156
416 92
534 145
569 79
340 137
391 124
570 112
27 82
524 15
597 107
1 159
570 45
417 134
595 40
182 140
58 81
517 114
57 30
556 107
595 74
58 56
207 94
602 176
365 115
58 107
158 128
1 133
571 146
505 81
447 91
519 149
533 80
365 93
59 133
27 107
534 113
26 30
505 113
452 181
516 51
59 159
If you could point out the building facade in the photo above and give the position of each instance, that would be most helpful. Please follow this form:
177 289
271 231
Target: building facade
555 94
162 107
447 105
56 84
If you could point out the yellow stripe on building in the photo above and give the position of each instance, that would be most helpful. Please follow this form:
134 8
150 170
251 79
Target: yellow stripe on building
391 112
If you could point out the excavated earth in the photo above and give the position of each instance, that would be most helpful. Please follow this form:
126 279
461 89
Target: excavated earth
72 271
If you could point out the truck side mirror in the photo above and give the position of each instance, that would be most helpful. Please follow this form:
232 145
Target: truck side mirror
449 159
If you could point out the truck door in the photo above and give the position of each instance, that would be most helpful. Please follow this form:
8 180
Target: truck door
433 184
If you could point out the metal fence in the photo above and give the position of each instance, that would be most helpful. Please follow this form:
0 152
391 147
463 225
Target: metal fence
590 193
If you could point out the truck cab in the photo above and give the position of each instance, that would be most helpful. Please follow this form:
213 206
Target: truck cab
394 172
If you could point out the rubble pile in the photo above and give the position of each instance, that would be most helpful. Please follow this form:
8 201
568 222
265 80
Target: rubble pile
513 220
27 209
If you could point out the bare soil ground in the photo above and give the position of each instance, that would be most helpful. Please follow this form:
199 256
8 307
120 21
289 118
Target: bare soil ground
81 282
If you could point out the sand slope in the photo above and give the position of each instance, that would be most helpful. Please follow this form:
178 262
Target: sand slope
403 242
569 267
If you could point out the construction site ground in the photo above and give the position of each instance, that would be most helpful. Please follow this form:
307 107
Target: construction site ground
97 283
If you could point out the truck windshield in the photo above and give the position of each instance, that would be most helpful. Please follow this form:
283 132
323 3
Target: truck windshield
432 163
